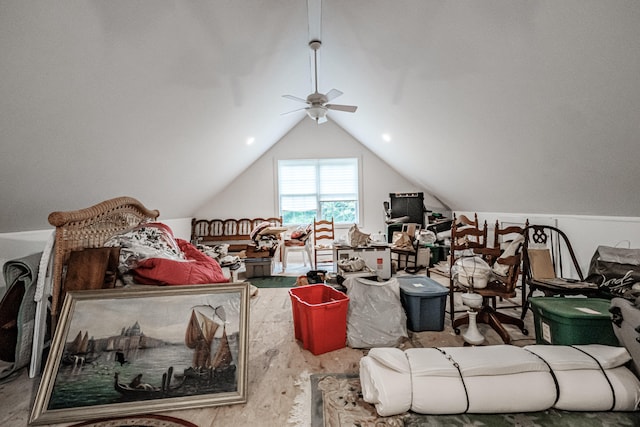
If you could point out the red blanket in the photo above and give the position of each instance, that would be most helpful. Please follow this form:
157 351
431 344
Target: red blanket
197 269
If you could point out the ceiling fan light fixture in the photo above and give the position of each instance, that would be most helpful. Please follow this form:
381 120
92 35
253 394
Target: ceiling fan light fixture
317 112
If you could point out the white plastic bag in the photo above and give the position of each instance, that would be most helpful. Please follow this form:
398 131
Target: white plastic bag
471 271
357 237
376 317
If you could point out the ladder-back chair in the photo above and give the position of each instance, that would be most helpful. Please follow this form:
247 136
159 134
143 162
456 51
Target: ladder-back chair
324 236
498 287
465 240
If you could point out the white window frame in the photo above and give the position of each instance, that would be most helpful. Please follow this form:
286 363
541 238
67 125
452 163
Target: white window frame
314 195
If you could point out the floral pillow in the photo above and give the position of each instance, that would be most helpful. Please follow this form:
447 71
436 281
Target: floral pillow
149 240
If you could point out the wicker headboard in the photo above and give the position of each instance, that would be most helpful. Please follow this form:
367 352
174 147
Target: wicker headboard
90 228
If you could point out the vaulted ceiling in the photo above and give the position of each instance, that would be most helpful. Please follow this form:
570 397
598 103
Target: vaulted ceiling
524 106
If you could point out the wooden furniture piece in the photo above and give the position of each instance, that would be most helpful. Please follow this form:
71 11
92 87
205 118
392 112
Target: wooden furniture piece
323 238
465 239
464 220
461 221
234 232
502 239
550 265
497 288
409 254
89 228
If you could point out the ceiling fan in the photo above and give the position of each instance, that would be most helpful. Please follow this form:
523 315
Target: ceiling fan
317 106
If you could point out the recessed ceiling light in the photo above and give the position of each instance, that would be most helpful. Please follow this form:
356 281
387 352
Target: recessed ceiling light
386 137
250 140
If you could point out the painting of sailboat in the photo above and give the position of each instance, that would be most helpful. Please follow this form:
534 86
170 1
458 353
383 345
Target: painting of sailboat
127 351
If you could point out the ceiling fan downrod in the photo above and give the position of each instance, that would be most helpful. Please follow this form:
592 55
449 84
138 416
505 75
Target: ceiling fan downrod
315 45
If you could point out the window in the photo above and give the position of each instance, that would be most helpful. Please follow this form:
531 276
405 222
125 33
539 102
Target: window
318 188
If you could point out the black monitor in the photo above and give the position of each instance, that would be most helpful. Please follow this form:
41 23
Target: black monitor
408 204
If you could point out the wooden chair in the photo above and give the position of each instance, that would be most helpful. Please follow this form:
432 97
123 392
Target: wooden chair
460 221
502 238
300 244
498 288
463 220
549 265
410 255
323 235
465 240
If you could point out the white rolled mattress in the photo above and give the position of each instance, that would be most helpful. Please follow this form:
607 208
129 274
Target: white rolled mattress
499 379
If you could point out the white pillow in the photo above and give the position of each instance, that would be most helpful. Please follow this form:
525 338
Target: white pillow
503 269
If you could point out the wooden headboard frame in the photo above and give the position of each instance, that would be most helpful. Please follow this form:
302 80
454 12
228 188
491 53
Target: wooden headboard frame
90 228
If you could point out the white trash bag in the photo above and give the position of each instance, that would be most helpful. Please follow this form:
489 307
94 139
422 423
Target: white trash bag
471 271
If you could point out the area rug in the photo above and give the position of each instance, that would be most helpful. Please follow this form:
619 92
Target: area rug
273 281
138 421
336 400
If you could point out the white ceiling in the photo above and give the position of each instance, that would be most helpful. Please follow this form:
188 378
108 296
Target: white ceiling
493 105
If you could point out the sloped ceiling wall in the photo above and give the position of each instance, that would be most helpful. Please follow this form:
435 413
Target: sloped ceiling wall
254 194
493 105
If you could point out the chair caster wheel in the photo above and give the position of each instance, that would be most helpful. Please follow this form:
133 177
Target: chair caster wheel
457 331
525 331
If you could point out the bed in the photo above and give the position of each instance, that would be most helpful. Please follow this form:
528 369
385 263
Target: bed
90 228
126 223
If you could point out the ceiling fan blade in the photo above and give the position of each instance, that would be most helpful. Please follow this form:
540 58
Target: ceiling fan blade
293 111
294 98
333 94
347 108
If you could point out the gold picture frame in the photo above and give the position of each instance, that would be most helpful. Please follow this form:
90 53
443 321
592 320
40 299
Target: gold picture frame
136 350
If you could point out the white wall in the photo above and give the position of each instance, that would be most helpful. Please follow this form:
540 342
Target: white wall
585 233
18 245
254 192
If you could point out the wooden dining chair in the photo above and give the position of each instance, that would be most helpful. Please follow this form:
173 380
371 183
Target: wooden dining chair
497 287
324 236
465 239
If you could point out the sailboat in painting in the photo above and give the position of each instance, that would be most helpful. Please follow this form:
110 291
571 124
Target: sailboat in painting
200 336
210 371
79 351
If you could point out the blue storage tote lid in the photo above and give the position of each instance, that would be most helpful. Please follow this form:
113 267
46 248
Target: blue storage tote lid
421 286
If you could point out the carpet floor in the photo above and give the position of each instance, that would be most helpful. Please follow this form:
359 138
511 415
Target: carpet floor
336 400
273 281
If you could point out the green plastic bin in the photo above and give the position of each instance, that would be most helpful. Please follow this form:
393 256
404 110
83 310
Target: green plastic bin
569 321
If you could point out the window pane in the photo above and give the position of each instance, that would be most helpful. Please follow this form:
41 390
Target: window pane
297 178
341 212
289 217
322 188
338 179
298 203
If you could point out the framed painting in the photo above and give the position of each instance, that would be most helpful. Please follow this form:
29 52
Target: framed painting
129 351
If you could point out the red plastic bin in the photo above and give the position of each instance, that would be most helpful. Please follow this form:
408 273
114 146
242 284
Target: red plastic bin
319 317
